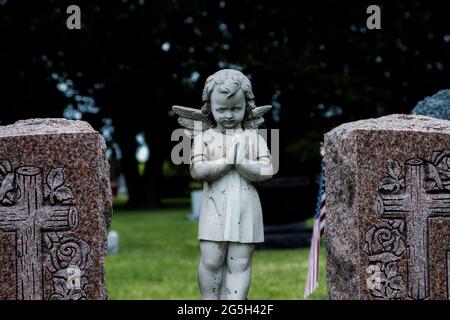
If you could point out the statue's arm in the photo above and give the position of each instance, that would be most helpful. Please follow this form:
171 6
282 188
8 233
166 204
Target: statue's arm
257 170
203 169
209 170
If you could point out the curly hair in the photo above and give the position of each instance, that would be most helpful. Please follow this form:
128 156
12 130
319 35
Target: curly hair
227 81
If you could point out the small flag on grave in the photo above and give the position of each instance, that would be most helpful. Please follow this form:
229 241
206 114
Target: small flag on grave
312 278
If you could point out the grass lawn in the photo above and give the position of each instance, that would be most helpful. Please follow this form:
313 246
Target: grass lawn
159 254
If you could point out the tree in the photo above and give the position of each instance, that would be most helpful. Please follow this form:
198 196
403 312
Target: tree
316 63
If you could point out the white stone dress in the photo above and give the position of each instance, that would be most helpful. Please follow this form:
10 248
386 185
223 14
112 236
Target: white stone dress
231 208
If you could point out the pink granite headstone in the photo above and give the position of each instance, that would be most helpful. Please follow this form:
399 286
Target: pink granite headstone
388 208
55 210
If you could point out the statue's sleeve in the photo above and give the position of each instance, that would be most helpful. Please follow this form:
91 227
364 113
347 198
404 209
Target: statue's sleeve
198 151
263 150
260 169
202 168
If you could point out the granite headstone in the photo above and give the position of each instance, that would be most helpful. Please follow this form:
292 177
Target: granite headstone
55 210
388 208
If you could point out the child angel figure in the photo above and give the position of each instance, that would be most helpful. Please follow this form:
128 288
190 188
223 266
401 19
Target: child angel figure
228 155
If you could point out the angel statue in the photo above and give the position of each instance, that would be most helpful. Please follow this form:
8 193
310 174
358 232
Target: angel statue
228 155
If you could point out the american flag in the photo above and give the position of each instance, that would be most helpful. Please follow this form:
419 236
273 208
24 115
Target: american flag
312 279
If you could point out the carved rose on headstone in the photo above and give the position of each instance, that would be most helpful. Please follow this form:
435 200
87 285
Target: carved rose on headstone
66 255
384 241
384 245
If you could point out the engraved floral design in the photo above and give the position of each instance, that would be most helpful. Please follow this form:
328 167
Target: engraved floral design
65 258
441 161
54 189
384 244
6 183
396 205
65 254
394 181
384 281
437 174
62 292
384 241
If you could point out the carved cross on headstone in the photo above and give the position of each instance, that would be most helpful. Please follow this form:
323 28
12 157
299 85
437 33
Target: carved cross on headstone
29 218
415 205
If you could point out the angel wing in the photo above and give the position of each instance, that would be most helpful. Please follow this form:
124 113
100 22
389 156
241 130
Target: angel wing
255 118
189 118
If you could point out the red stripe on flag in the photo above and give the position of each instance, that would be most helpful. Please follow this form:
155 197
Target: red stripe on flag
312 280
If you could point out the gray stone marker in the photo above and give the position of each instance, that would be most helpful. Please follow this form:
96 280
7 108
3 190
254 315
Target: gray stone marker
388 208
436 106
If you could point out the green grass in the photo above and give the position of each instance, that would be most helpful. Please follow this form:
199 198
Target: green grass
159 254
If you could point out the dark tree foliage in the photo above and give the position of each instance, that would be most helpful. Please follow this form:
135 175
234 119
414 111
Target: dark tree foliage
315 62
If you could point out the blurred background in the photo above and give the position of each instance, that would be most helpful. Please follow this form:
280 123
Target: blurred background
316 63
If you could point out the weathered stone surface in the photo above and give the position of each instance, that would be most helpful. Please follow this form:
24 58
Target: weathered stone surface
388 208
437 106
55 210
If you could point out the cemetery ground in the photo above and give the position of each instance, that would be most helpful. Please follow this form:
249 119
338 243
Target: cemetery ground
159 254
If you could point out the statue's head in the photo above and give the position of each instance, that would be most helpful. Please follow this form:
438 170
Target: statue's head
228 98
